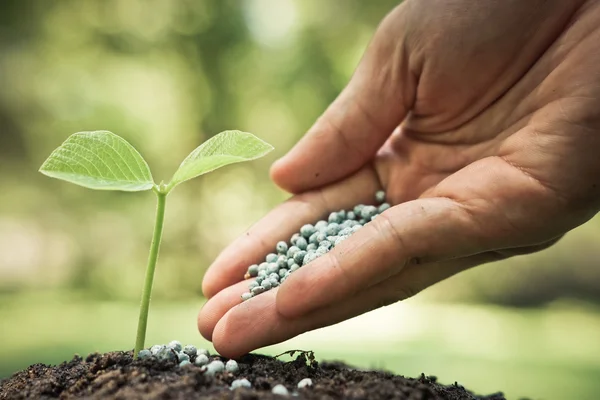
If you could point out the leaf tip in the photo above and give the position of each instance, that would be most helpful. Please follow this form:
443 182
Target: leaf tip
98 160
43 168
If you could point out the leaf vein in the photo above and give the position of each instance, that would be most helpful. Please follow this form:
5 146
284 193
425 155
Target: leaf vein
100 173
118 164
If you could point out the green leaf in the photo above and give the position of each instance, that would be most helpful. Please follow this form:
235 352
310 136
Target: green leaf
99 160
226 148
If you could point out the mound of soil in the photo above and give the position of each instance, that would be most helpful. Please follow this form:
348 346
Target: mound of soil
117 375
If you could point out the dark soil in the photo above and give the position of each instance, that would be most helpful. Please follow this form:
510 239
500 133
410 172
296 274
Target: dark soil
117 376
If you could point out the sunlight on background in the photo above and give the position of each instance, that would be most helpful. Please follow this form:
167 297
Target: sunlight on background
272 23
167 75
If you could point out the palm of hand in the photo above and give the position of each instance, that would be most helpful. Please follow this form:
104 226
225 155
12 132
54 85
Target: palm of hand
494 127
495 155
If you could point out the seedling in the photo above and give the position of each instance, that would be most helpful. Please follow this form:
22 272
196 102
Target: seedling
306 355
102 160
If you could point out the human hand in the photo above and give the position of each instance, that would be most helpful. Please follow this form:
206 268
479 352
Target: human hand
481 120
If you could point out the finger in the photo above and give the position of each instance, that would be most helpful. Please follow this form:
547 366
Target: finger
487 206
281 223
359 121
214 309
256 323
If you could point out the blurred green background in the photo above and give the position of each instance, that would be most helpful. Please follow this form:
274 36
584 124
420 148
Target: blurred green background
167 75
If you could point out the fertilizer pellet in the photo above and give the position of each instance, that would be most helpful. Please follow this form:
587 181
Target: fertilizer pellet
232 366
301 243
334 217
239 383
155 349
214 367
321 251
282 262
273 267
280 390
325 244
322 224
293 250
274 276
310 256
299 256
175 345
253 270
307 230
345 231
201 359
281 247
143 354
368 211
333 229
257 290
190 350
294 238
166 354
305 383
266 284
383 207
182 357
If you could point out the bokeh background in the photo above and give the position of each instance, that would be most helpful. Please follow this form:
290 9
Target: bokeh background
167 75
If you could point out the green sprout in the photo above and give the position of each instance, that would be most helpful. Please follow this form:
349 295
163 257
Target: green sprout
102 160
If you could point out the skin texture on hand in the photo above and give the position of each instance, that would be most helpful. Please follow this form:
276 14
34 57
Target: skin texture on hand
481 120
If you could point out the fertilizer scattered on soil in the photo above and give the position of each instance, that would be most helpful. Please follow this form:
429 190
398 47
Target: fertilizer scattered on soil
117 375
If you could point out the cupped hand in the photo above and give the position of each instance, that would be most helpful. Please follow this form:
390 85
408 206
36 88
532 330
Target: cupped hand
481 120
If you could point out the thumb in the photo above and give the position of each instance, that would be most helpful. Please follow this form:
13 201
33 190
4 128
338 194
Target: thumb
358 122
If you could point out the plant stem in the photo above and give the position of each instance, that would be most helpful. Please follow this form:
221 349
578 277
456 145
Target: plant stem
152 258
